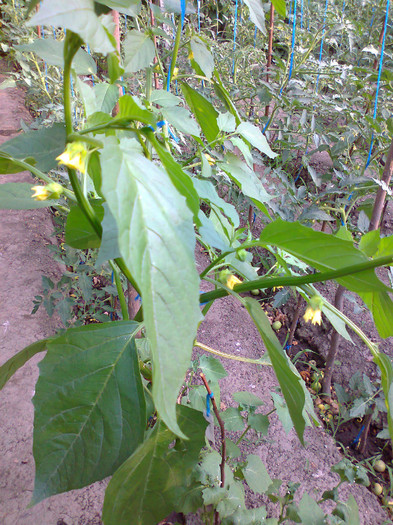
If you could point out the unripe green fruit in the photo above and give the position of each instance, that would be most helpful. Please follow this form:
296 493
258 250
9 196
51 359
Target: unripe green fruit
316 386
241 255
276 325
377 489
255 292
379 466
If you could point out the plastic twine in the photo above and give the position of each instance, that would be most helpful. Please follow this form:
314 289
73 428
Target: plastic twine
379 80
292 47
208 398
321 47
234 39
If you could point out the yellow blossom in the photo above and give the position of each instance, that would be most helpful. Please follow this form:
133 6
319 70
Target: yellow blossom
40 193
175 72
191 56
313 311
74 156
210 159
232 280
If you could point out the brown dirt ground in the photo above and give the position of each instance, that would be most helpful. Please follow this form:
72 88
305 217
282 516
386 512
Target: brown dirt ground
24 257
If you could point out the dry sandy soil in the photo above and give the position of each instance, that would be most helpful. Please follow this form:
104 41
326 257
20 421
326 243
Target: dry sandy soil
24 257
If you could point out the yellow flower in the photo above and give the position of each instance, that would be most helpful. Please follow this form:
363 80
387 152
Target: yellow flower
313 311
74 156
210 159
52 190
41 193
232 280
191 56
175 72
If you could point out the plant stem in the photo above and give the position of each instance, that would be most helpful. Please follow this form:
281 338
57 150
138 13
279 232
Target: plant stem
270 282
381 193
259 361
175 53
120 292
243 434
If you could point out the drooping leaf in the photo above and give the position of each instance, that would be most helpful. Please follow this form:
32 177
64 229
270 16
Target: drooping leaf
78 16
129 110
203 110
257 14
202 56
247 181
102 97
208 192
109 248
181 119
8 369
19 196
89 407
254 136
52 51
291 383
256 474
44 145
139 51
156 239
149 485
79 233
323 252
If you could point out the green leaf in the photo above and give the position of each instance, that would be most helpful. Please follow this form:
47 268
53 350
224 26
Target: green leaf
247 181
249 517
147 487
226 122
79 232
8 369
259 422
128 7
77 16
256 474
279 6
254 136
203 110
10 165
247 399
181 119
19 196
164 98
157 241
109 248
102 97
138 50
310 512
233 420
44 145
323 252
225 97
89 407
381 307
233 451
208 192
52 52
257 14
385 246
291 383
181 180
369 243
385 365
337 323
282 412
212 368
32 5
129 110
202 56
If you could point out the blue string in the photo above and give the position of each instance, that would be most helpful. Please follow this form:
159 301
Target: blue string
308 15
378 81
208 398
234 40
357 438
321 48
199 15
292 49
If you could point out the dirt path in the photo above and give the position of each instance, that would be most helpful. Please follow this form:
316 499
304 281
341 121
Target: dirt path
24 257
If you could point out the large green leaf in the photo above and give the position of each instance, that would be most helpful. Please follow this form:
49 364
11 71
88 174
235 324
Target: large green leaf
323 252
181 180
290 381
203 110
89 407
52 51
157 240
129 110
8 369
79 233
128 7
148 486
181 119
381 307
256 474
78 16
310 512
109 247
385 365
44 145
280 7
257 14
202 55
207 192
19 196
254 136
247 181
139 51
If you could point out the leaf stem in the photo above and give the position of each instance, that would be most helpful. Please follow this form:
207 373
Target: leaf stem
259 361
119 287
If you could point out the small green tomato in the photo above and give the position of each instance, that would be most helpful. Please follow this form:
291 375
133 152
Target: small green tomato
241 255
276 325
377 489
379 466
255 292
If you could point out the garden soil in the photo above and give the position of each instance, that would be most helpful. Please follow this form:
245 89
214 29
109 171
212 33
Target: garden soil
24 257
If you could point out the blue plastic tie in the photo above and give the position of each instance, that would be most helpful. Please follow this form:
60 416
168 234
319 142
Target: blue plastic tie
234 40
183 12
199 15
287 347
357 438
208 398
378 81
292 46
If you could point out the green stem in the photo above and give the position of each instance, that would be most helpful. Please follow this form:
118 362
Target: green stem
120 292
175 53
243 434
259 361
271 282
